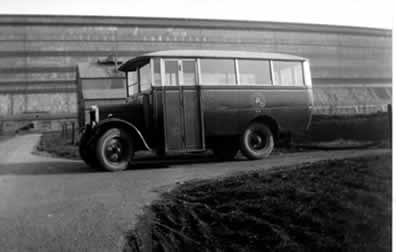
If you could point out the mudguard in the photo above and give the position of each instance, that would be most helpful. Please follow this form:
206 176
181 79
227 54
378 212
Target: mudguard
106 124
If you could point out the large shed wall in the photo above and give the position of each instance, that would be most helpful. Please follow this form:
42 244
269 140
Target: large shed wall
351 66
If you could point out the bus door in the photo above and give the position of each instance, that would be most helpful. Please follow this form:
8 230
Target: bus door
183 119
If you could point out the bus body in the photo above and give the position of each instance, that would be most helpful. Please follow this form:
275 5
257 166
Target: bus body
194 100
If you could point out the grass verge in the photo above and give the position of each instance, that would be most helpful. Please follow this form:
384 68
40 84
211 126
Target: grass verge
53 144
371 127
327 206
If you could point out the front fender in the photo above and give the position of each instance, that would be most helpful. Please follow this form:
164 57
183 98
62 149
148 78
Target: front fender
106 124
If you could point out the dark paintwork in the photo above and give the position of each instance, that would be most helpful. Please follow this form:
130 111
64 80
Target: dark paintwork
182 117
226 111
187 118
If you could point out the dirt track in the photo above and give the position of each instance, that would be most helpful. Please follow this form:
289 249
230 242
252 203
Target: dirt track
60 205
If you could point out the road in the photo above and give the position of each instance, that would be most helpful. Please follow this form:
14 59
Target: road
49 204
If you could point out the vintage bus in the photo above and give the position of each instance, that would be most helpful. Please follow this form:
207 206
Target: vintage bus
182 101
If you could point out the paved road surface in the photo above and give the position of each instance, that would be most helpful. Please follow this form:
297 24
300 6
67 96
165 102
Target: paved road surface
51 204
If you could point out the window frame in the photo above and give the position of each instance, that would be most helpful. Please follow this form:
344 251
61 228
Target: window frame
301 63
138 75
217 84
127 83
180 71
150 71
199 76
271 83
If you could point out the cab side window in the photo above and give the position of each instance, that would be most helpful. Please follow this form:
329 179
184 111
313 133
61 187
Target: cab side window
133 87
145 77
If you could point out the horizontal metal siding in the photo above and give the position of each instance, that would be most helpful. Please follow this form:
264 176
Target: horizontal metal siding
40 53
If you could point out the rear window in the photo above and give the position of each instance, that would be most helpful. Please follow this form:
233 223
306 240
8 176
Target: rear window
288 73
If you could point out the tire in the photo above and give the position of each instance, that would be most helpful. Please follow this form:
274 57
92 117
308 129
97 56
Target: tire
225 152
114 150
257 141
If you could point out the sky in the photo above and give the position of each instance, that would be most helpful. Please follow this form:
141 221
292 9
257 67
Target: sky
377 14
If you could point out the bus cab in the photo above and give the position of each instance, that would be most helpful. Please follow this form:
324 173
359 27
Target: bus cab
182 101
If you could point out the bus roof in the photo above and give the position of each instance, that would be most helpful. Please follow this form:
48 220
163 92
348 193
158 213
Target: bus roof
207 54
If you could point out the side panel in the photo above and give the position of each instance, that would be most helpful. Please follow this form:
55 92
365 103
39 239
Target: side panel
173 121
228 110
192 118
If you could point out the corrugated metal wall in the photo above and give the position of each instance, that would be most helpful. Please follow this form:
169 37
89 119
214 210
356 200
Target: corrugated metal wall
351 67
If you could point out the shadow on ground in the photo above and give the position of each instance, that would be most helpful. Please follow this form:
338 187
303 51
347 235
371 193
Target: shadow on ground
78 167
45 168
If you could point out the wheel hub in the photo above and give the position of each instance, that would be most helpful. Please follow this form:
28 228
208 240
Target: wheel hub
114 150
256 141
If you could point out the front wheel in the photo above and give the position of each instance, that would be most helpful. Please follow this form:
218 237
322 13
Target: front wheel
257 141
114 150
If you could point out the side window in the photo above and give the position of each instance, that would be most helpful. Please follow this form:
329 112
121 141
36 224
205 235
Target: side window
217 71
133 87
189 75
253 72
145 77
171 73
288 73
157 72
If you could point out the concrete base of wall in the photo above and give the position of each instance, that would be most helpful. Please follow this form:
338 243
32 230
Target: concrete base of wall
9 127
349 110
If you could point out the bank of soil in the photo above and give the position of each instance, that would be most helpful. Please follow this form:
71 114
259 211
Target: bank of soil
326 206
56 145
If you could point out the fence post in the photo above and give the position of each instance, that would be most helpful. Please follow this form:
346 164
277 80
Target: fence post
63 130
390 123
73 131
67 130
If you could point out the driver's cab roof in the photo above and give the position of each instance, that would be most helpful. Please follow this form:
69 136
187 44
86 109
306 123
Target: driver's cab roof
133 63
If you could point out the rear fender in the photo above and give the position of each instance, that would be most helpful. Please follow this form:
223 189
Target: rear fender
271 122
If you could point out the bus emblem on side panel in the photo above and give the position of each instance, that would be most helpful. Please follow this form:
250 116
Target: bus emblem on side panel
260 101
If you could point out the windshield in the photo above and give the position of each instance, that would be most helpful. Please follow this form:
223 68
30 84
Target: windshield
139 80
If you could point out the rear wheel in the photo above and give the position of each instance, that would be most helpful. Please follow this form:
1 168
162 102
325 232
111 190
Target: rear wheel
257 141
114 150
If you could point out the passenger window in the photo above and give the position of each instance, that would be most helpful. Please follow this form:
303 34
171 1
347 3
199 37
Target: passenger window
171 73
254 72
189 72
217 71
288 73
145 80
157 72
